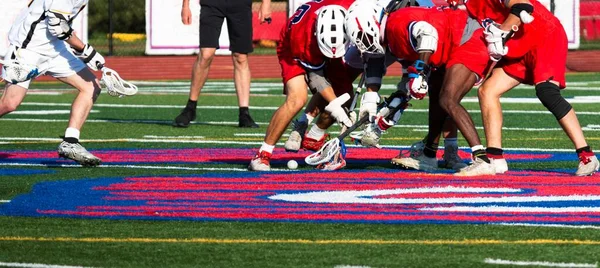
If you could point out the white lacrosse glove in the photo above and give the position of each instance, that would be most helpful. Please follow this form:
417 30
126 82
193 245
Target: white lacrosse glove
494 36
368 105
91 57
417 84
337 111
370 136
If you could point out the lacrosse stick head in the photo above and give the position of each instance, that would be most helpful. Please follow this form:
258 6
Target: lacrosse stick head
115 85
15 72
326 153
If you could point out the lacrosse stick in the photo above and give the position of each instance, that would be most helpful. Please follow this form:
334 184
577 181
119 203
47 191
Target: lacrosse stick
115 85
17 72
510 34
336 147
352 114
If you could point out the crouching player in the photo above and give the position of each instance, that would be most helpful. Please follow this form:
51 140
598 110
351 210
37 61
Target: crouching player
38 42
313 35
535 55
430 38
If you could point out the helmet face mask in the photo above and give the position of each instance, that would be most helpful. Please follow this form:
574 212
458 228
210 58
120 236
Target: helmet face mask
331 31
363 26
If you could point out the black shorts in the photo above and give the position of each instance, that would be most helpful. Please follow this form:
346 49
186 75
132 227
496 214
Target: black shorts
239 24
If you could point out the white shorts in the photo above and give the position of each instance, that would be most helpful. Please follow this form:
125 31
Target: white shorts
64 64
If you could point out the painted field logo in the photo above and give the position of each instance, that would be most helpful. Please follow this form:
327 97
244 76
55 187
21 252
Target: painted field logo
347 196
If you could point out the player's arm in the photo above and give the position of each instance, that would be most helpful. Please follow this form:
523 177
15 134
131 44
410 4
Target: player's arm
59 25
186 13
426 37
520 12
318 83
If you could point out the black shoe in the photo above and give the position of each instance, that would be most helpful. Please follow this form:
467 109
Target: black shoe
245 120
184 119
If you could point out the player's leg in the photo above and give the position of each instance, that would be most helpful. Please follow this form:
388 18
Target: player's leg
239 25
300 125
457 83
491 113
296 97
89 90
12 97
211 21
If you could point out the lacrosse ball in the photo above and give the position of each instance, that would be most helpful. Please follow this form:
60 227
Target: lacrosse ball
292 164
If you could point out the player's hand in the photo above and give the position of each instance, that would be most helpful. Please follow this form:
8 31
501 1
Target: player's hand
91 57
417 80
264 13
336 110
368 105
186 15
452 3
494 36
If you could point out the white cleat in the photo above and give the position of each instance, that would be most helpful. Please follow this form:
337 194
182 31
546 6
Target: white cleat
500 165
421 162
260 162
452 160
588 165
78 153
477 168
294 142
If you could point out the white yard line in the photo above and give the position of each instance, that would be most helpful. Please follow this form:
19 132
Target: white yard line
47 112
540 263
254 135
550 225
133 167
4 201
37 265
173 137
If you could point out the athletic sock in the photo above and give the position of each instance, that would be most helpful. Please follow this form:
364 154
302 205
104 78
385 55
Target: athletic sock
430 150
71 135
306 118
450 142
244 111
584 149
479 152
266 148
494 153
191 105
316 132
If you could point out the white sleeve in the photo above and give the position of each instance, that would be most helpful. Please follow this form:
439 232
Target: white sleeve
425 35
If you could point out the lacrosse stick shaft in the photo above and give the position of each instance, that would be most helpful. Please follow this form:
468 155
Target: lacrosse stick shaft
510 34
361 84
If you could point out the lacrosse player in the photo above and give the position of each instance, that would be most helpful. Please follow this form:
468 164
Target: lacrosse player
535 55
432 38
41 40
313 35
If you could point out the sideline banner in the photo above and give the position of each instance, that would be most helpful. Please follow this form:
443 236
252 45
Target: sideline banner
12 8
567 11
167 35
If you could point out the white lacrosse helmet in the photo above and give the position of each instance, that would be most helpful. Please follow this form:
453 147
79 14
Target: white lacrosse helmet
363 26
330 31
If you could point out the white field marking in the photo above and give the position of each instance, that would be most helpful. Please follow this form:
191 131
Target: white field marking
173 137
47 112
4 201
527 209
351 266
268 108
585 99
549 225
108 105
134 167
16 139
254 135
37 265
540 263
13 139
49 93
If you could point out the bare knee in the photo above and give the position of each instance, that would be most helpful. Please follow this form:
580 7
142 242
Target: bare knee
8 107
240 60
295 103
205 59
486 93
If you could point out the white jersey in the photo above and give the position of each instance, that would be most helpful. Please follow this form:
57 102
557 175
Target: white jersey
30 29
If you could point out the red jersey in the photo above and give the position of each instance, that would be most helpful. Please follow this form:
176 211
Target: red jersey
529 35
449 24
299 32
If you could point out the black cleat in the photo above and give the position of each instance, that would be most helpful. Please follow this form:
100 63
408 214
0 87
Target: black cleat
245 120
183 120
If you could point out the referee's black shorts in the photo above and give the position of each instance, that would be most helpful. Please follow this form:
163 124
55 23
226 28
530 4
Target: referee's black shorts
239 23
